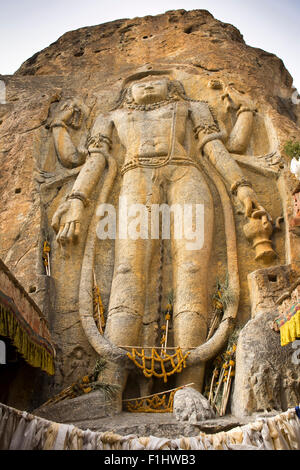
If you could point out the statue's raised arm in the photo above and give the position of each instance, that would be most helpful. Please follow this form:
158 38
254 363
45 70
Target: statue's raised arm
211 143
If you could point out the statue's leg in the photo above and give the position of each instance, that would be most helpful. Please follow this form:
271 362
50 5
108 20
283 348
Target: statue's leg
132 259
190 268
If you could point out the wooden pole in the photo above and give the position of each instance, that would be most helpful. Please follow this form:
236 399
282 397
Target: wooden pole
220 383
211 385
161 393
49 269
166 340
225 393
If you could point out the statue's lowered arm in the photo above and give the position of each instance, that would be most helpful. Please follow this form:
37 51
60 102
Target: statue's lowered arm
223 166
67 220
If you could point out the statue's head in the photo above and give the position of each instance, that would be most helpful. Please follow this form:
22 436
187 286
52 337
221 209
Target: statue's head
150 89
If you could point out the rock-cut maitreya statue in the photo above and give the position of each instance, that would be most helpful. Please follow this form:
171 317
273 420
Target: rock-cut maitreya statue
154 119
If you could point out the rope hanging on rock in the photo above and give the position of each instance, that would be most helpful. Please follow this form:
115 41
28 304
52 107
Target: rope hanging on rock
177 362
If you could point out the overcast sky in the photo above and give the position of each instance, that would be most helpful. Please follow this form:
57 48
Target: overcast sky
27 26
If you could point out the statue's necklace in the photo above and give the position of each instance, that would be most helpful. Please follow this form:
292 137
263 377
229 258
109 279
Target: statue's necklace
149 107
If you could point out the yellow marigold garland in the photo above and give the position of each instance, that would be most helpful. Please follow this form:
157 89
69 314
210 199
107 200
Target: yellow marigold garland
154 404
140 359
98 310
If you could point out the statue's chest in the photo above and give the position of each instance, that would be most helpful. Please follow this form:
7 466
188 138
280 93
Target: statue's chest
164 113
157 121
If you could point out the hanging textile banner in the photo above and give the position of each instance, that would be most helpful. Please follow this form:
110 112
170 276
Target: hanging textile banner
289 325
24 324
23 431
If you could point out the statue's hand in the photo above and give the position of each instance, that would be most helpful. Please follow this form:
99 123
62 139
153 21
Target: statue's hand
234 100
248 198
67 112
67 221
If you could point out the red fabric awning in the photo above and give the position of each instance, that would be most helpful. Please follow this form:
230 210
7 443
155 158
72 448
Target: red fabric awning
22 321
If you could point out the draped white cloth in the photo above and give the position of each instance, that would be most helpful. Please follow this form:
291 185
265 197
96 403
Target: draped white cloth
23 431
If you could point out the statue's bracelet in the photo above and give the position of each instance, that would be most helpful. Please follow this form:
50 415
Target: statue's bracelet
58 124
80 196
243 182
244 109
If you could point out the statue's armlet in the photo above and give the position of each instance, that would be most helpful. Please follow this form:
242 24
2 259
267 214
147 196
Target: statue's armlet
101 134
206 127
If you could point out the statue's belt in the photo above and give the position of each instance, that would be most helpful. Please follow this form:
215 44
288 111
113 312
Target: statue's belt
156 162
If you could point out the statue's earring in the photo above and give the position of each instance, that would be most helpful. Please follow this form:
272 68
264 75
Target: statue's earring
129 97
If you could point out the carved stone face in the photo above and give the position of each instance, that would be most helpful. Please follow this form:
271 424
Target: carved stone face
150 91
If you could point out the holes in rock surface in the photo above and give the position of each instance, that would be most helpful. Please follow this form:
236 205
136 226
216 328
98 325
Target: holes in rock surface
272 277
145 37
1 122
188 30
78 54
32 289
193 27
18 190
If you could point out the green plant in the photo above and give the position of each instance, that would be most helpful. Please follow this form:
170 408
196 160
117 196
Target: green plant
109 390
292 149
223 293
100 366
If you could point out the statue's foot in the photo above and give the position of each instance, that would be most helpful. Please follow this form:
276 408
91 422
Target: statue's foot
191 406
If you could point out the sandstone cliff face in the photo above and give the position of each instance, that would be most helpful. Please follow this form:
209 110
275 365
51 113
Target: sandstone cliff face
91 64
179 36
